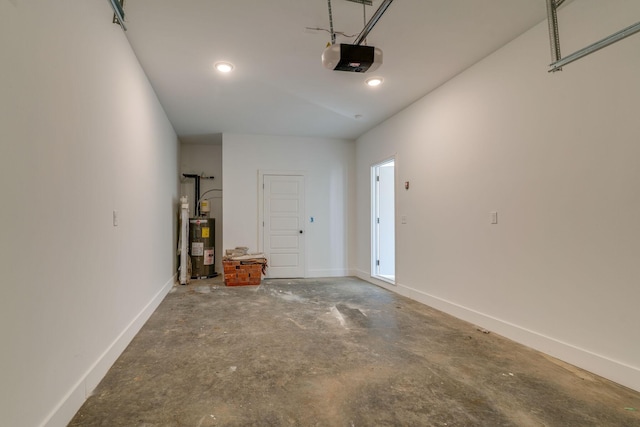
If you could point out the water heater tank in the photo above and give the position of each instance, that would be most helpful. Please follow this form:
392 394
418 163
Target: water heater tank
201 247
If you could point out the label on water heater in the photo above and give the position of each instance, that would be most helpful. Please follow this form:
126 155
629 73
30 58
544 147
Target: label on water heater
197 248
208 257
205 232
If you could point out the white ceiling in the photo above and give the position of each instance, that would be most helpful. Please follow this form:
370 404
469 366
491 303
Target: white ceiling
279 86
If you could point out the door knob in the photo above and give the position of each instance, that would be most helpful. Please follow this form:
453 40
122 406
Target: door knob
301 231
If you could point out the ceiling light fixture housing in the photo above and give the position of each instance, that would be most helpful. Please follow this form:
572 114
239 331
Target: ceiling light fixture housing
374 81
224 67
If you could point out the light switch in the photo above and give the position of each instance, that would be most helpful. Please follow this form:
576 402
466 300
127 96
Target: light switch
115 218
403 219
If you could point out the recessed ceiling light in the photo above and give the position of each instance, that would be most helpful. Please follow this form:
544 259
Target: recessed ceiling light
374 81
224 67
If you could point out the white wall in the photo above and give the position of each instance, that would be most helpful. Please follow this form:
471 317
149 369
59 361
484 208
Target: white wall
328 165
205 159
81 134
557 156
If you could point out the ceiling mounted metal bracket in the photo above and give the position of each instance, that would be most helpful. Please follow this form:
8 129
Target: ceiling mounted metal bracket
554 35
333 33
372 22
557 61
118 12
367 2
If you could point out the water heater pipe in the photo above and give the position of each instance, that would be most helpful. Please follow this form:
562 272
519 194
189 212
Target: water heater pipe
197 189
184 240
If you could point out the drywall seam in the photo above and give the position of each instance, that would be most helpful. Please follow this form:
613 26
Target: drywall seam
613 370
73 400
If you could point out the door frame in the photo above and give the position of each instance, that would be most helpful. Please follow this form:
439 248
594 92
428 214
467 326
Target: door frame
261 174
372 230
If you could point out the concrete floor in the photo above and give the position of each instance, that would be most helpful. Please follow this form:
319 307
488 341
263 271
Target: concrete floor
337 352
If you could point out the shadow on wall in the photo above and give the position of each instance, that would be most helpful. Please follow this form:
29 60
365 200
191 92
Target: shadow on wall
205 139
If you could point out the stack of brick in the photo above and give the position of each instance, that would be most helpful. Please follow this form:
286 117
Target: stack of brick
242 269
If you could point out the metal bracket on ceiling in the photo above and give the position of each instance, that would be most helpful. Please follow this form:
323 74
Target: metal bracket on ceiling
554 35
372 22
118 12
367 27
557 61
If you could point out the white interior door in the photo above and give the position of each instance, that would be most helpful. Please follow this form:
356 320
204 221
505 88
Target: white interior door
283 231
383 260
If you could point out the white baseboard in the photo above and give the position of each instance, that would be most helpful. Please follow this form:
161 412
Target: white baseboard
73 400
336 272
621 373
